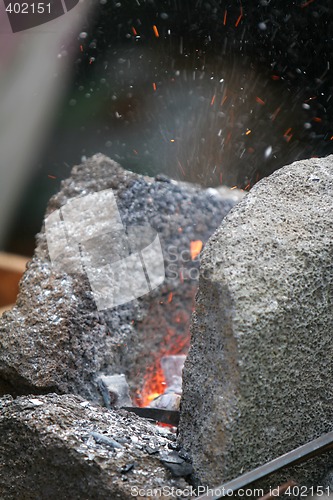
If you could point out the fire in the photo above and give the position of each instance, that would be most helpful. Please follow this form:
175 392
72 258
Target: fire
154 385
154 382
195 248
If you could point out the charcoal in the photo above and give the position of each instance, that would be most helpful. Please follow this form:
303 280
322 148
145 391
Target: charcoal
179 470
61 449
167 401
115 390
126 468
101 439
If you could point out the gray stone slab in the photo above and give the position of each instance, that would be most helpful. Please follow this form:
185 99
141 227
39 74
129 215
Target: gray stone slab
62 447
258 378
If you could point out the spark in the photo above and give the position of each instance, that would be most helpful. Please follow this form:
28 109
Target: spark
154 86
134 31
275 77
225 17
248 132
305 4
213 100
170 296
233 187
260 101
156 31
316 119
228 138
287 135
239 17
51 176
276 112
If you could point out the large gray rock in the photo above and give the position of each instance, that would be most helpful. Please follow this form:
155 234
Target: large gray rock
258 378
55 339
62 447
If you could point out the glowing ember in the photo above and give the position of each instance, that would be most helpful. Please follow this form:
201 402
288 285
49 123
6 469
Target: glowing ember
156 33
154 381
154 385
305 4
195 248
240 17
260 101
287 135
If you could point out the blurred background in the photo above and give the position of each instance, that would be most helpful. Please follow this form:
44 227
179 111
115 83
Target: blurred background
211 92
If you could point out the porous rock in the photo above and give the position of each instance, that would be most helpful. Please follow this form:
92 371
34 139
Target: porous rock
55 339
258 377
64 447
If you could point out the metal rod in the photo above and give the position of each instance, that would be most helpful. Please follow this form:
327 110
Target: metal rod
315 447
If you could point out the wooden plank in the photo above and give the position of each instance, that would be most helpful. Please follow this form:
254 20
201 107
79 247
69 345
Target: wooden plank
11 262
11 269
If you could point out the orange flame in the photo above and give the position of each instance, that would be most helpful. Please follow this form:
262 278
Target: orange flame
154 383
195 248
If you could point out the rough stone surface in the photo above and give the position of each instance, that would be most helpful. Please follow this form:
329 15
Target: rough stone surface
62 447
55 339
258 378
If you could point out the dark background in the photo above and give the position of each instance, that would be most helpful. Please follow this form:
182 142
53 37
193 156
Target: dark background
205 91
